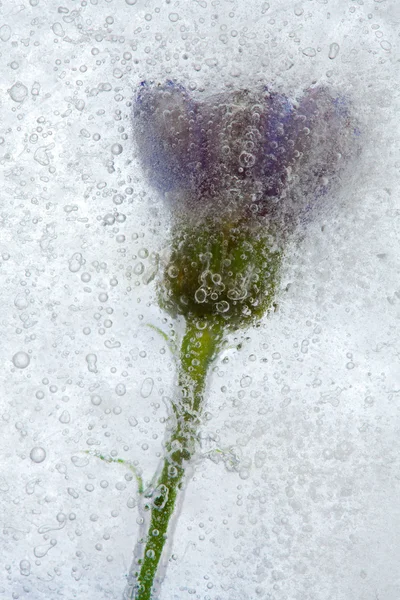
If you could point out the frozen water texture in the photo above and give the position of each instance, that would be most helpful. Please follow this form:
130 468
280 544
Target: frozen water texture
296 494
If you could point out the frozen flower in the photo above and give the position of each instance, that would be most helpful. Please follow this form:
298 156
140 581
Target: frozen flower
239 170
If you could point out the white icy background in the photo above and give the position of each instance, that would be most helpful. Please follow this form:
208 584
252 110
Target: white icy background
310 404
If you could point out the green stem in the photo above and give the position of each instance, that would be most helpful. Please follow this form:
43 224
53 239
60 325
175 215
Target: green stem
199 347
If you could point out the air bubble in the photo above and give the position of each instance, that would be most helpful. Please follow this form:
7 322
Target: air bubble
91 360
200 296
58 29
116 149
333 50
75 262
143 253
120 389
245 381
222 306
18 92
131 503
37 454
147 387
138 268
41 551
80 461
21 360
25 567
35 89
96 400
5 33
65 417
21 302
309 52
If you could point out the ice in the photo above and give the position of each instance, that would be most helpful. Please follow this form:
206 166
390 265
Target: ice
294 495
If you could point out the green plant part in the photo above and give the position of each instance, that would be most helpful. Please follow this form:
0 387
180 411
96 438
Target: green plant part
226 270
169 340
221 277
120 461
200 345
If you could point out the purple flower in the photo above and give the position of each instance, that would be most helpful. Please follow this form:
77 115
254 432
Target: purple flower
242 152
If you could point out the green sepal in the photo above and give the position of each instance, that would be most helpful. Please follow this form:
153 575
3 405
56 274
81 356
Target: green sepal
229 270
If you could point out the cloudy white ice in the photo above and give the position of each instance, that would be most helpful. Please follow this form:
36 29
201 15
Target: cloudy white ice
295 496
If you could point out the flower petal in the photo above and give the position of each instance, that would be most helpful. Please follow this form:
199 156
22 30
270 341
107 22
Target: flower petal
164 128
256 153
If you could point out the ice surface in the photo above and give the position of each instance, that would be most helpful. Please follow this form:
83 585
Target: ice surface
296 495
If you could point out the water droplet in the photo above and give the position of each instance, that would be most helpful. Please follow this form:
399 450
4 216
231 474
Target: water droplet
38 454
21 360
385 45
173 17
131 2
